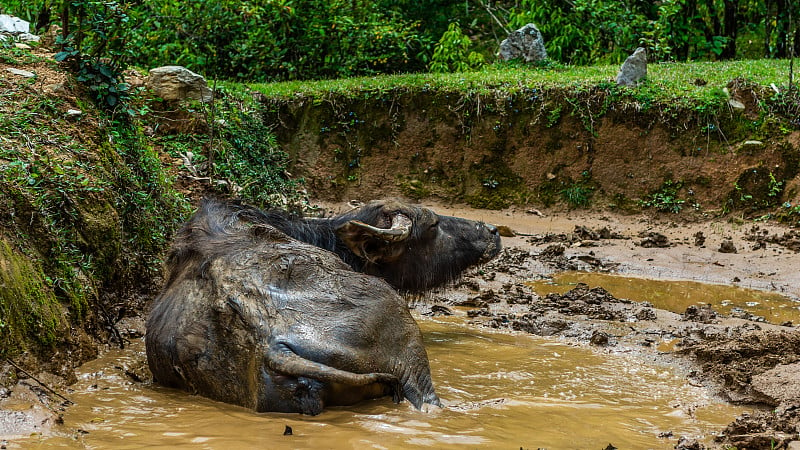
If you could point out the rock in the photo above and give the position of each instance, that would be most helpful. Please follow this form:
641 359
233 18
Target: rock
55 88
599 338
14 25
27 37
178 83
752 145
633 69
74 112
736 104
526 43
20 72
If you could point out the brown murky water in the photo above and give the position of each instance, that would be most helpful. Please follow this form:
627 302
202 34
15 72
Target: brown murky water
676 296
501 390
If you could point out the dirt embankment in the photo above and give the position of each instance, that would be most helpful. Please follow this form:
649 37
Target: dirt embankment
542 147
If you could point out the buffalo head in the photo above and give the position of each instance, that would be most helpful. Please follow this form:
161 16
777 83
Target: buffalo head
411 247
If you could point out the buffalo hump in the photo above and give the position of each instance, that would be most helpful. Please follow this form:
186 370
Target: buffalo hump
253 317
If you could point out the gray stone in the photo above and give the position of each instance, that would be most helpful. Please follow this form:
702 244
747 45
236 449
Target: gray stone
11 24
178 83
27 37
633 69
736 104
20 72
526 43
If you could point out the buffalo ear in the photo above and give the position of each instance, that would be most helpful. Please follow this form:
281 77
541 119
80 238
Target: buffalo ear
355 237
372 243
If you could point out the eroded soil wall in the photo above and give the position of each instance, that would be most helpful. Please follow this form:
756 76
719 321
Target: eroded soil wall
498 149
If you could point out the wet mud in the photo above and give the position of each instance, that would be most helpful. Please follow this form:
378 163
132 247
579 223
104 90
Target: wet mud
744 356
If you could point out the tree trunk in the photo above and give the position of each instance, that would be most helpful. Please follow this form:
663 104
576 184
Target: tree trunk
781 27
767 27
731 18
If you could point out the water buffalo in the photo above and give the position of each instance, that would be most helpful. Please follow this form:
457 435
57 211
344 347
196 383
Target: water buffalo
280 313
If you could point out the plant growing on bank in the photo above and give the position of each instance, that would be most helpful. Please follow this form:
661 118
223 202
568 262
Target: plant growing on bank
665 199
238 155
578 194
452 52
94 45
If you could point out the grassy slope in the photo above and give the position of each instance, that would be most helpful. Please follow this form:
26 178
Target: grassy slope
86 209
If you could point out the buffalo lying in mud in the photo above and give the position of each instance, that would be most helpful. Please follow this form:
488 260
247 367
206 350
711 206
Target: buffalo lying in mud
277 313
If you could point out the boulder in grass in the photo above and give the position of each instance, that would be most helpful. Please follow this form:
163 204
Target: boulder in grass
178 83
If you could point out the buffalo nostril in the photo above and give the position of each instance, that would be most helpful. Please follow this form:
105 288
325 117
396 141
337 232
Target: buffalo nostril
492 229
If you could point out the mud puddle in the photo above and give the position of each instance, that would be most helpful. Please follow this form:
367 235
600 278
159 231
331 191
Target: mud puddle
500 389
676 296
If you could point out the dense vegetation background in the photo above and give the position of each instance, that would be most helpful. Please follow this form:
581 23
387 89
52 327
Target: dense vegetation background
257 40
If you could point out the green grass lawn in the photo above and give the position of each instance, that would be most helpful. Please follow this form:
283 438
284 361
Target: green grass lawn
668 80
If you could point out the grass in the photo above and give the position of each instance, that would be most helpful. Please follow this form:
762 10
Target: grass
670 80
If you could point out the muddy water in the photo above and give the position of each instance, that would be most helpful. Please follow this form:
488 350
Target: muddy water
676 296
501 390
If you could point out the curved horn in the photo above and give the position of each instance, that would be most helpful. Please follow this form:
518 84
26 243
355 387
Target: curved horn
401 228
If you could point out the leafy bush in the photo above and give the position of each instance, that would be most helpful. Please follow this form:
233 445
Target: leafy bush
276 40
452 52
94 46
250 160
579 193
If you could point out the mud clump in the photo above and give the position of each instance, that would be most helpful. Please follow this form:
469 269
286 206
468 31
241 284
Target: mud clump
758 367
702 314
727 246
653 239
580 233
777 429
761 237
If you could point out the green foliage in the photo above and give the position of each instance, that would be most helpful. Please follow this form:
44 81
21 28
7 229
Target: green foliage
251 161
666 198
95 48
239 155
452 53
584 31
148 206
578 194
91 207
282 39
